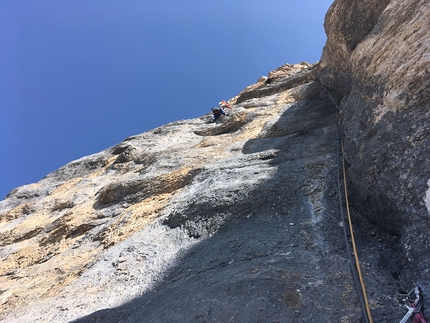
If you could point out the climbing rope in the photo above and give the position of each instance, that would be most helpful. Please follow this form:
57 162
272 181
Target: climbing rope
412 300
356 271
357 275
331 97
357 263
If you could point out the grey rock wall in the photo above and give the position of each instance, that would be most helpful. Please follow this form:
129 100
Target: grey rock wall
377 59
239 221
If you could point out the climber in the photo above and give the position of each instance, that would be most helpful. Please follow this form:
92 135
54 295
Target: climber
220 110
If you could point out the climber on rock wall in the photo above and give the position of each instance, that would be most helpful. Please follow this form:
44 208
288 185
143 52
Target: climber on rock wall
219 110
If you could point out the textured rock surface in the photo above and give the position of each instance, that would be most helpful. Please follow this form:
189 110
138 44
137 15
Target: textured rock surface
234 221
239 221
378 60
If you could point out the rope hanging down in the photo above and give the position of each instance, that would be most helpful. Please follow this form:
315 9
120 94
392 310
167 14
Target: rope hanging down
414 297
357 275
357 263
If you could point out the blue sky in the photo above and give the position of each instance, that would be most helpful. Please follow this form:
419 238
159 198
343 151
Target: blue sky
79 76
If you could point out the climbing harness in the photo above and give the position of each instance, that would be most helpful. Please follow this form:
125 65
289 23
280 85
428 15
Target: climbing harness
413 302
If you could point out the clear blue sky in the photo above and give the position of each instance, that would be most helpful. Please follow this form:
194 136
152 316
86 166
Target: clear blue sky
79 76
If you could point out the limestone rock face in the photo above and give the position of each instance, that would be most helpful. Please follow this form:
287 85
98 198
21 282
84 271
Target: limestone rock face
193 221
347 23
377 58
239 220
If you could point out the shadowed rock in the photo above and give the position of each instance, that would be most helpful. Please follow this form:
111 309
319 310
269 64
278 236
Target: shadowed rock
376 57
240 220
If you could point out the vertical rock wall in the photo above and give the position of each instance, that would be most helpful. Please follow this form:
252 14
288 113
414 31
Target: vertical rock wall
238 220
377 58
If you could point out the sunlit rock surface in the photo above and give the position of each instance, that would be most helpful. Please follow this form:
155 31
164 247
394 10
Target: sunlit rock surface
233 221
239 221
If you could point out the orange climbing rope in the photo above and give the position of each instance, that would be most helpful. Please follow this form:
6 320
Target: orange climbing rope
357 263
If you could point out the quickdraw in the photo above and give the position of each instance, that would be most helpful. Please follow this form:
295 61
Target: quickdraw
414 303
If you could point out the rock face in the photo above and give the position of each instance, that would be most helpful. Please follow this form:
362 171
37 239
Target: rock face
240 221
378 61
233 221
